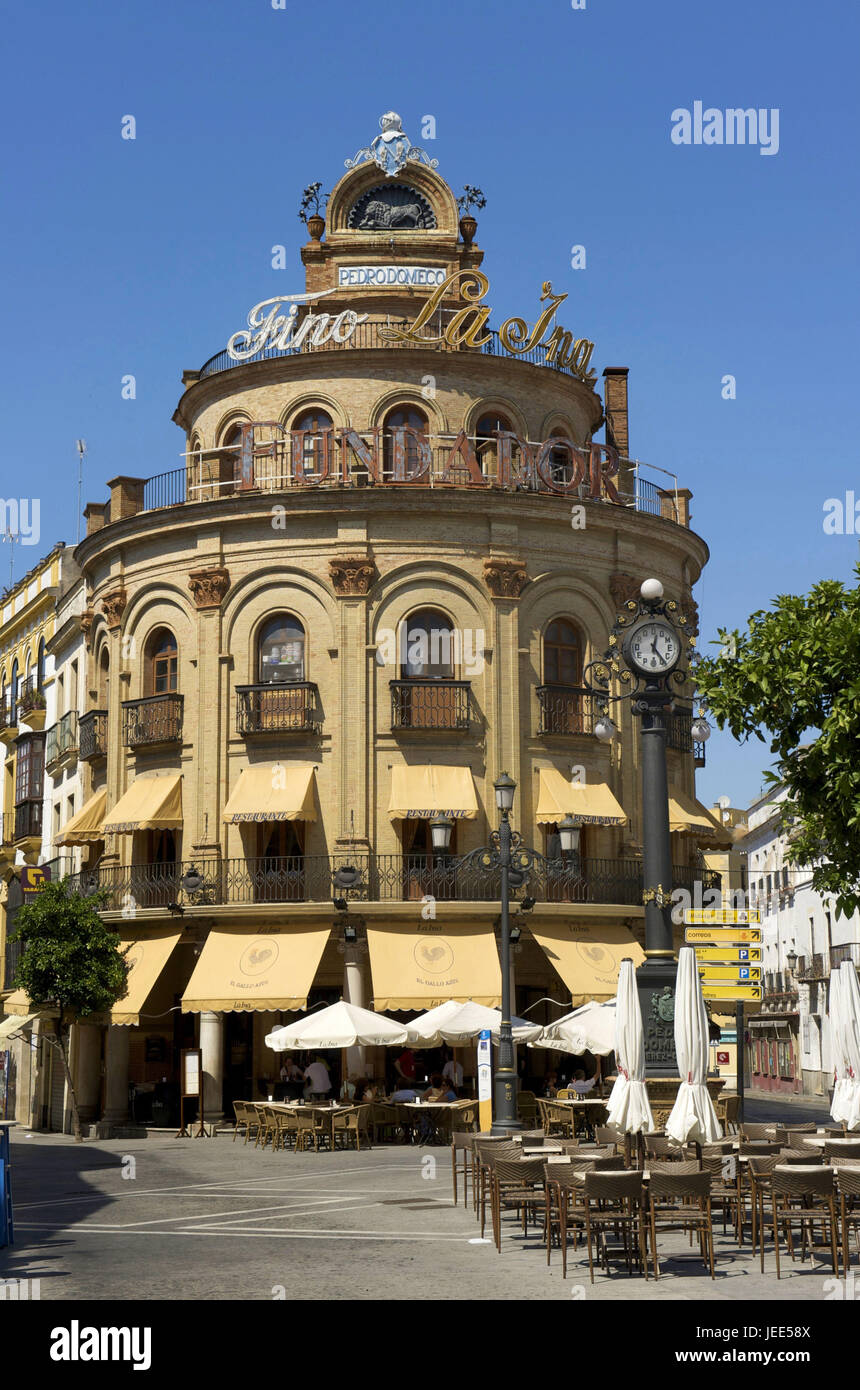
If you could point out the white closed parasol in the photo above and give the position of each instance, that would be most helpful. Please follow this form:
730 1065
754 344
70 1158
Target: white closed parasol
693 1118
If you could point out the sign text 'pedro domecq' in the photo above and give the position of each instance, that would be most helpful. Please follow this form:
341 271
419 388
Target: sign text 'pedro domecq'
269 327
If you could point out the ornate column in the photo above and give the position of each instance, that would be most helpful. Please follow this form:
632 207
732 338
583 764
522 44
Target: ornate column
352 577
87 1075
203 723
116 1078
212 1047
356 991
505 579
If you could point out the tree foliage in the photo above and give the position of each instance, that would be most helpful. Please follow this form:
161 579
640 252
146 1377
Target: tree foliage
795 675
69 955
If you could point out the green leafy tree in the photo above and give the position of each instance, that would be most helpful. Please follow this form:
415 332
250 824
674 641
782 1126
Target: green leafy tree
70 959
795 675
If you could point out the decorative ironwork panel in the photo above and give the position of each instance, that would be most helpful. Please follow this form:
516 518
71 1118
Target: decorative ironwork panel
157 719
438 704
565 709
92 735
277 708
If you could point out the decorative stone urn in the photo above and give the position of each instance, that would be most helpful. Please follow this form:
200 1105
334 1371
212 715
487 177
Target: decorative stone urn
316 226
468 228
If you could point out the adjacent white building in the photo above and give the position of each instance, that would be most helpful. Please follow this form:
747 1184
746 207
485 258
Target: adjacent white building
66 700
788 1042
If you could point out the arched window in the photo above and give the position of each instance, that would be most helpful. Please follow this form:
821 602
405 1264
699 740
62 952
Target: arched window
561 464
562 708
40 665
230 460
486 443
104 678
13 696
406 443
281 650
313 429
427 647
162 663
562 654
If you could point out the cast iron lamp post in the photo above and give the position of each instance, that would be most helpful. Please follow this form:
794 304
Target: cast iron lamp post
507 856
649 638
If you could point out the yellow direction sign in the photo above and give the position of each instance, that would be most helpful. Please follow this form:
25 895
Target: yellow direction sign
720 916
723 936
751 992
742 955
744 974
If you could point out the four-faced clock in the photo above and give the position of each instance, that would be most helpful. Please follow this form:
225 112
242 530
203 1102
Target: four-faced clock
652 647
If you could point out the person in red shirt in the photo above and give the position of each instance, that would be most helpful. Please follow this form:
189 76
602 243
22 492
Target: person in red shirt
405 1065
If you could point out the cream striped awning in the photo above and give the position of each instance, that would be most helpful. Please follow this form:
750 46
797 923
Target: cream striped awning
590 803
425 791
87 824
151 803
273 792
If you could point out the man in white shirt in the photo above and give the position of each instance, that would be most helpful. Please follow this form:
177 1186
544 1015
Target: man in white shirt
453 1072
317 1078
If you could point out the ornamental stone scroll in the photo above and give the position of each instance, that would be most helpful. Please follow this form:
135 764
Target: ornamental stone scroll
505 578
208 586
352 575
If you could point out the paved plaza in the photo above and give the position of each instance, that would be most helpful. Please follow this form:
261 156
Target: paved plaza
164 1218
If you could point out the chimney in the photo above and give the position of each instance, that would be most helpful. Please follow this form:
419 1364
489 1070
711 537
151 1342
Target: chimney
126 497
615 408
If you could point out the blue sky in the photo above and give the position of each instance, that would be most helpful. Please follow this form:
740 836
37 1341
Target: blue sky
702 261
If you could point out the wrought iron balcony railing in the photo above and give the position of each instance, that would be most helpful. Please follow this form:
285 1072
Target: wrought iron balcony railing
431 704
565 709
155 719
376 878
30 695
61 738
92 735
277 708
820 965
28 820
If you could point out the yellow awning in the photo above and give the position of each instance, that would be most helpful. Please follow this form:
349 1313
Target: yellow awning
418 969
146 956
273 791
687 816
241 970
426 791
86 825
151 803
588 958
18 1003
590 803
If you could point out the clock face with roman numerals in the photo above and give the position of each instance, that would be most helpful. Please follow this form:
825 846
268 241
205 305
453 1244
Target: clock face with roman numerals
653 648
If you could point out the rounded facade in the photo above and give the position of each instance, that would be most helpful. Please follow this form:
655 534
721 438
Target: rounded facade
383 569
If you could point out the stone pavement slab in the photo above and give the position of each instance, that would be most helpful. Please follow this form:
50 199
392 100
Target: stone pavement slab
211 1219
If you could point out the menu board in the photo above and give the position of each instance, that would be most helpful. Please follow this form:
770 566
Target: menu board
191 1061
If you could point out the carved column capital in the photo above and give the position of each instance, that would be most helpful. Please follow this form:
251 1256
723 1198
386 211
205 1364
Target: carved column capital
623 587
505 578
352 575
208 586
113 607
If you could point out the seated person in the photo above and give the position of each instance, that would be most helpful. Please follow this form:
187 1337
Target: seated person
349 1089
405 1093
367 1091
551 1084
427 1128
448 1092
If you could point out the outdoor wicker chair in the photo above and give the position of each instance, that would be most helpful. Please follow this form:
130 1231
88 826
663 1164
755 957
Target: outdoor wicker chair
680 1201
726 1191
516 1183
527 1107
486 1148
758 1171
285 1129
842 1148
805 1197
614 1202
848 1187
461 1143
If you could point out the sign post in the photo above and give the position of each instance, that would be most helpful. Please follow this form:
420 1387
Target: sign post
728 945
485 1081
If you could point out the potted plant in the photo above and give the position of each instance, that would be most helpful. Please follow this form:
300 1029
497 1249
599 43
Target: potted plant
311 210
471 198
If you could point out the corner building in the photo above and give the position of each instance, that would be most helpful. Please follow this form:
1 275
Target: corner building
375 584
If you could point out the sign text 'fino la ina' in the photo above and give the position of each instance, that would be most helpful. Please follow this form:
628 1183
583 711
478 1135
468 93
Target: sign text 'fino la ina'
274 324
